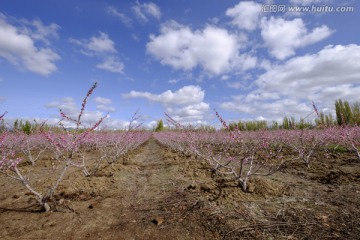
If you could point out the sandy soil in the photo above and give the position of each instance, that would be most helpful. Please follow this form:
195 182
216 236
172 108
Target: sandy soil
154 193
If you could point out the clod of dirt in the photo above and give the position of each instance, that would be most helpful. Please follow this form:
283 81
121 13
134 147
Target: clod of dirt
92 205
335 177
61 201
265 187
205 187
82 197
191 187
158 221
250 188
16 196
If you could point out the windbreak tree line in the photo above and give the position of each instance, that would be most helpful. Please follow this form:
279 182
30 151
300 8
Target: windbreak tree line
346 114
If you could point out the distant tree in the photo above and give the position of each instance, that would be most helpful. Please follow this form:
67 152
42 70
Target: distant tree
286 123
2 125
355 113
324 120
274 125
241 126
26 128
232 126
159 126
329 121
16 124
21 124
346 113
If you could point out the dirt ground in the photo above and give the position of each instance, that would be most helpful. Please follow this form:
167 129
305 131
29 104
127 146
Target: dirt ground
154 193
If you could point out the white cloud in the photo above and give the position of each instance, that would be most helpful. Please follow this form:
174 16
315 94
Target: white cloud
189 112
143 11
214 49
2 99
68 106
151 125
289 88
111 64
224 77
114 124
101 100
105 108
243 62
246 15
333 65
96 45
103 104
101 43
123 18
173 81
235 85
103 47
282 36
41 31
184 105
185 95
18 45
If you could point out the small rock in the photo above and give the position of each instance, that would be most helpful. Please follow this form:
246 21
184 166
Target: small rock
61 201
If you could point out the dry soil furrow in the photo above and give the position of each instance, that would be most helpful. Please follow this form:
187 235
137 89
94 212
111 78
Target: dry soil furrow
148 183
130 200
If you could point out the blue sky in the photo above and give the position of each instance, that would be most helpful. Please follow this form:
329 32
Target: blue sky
248 59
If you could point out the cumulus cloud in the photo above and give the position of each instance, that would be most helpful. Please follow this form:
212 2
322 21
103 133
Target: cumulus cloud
105 108
173 81
214 49
290 87
96 45
185 95
101 43
185 104
190 112
103 104
273 110
101 100
39 31
114 124
282 36
123 18
235 85
68 106
145 10
20 45
246 15
103 47
333 65
111 64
